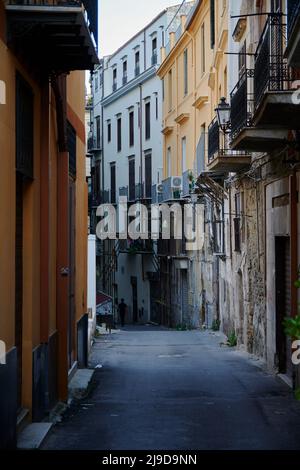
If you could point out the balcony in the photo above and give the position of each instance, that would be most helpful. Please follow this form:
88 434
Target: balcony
93 144
244 135
293 46
221 158
262 108
273 80
172 189
53 36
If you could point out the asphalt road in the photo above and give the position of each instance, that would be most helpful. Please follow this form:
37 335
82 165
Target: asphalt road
168 390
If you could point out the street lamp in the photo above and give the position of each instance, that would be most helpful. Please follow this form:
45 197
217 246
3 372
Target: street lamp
223 115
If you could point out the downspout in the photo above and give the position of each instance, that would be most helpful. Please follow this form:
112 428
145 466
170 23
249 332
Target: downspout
141 139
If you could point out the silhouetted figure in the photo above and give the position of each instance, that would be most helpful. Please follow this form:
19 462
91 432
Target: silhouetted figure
122 311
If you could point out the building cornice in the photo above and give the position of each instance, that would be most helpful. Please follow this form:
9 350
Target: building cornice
142 78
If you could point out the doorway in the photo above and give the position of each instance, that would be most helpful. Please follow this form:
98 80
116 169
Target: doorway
283 303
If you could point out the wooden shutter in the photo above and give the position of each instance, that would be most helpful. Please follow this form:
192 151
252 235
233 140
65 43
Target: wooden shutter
24 127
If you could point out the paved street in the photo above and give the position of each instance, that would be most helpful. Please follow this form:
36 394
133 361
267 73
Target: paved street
161 389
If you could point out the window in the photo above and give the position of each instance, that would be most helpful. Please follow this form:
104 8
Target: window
156 107
163 89
96 82
24 127
71 134
114 79
148 175
98 131
154 51
212 24
131 129
119 134
147 121
242 59
170 88
203 64
108 131
185 71
113 183
183 154
124 72
276 6
169 162
237 223
131 179
137 63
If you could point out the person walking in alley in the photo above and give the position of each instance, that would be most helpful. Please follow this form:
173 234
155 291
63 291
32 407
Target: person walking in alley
122 311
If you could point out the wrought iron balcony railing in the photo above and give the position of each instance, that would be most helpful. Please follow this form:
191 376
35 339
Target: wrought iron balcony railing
271 71
219 143
94 144
293 8
241 104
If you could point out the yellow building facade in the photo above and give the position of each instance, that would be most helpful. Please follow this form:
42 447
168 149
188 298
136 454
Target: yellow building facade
43 207
194 76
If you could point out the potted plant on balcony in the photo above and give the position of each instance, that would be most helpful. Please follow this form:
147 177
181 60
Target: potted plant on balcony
292 330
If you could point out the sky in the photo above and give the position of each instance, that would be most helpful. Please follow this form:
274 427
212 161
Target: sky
122 19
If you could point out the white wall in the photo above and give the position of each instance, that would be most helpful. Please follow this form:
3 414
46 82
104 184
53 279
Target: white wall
91 293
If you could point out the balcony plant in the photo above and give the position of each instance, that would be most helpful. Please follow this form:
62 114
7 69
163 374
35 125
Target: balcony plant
292 329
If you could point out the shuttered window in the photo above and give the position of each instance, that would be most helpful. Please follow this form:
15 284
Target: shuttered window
185 71
212 24
72 150
119 134
147 121
148 175
131 128
24 127
113 183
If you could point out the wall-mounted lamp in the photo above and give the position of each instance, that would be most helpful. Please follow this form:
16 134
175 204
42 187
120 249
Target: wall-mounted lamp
223 115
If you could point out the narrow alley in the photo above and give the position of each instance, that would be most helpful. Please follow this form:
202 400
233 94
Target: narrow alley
166 389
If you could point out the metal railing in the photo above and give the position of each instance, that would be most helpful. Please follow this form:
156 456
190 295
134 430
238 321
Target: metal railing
213 139
93 144
293 14
271 72
241 104
46 3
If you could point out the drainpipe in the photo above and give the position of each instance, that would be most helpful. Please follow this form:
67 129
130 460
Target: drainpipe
141 140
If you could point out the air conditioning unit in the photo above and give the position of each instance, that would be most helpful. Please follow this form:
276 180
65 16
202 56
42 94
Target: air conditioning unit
159 188
176 182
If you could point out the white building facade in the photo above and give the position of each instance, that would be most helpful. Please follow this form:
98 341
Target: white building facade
133 157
